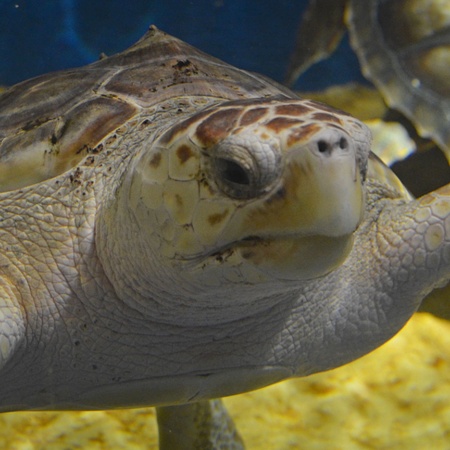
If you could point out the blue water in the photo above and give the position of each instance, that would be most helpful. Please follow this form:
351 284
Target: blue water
38 36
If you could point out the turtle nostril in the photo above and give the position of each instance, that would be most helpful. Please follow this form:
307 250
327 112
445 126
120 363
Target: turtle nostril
343 143
323 146
326 147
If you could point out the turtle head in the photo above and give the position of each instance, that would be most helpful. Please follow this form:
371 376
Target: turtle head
233 208
256 188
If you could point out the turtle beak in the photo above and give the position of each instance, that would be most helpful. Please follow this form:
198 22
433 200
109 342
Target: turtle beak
324 181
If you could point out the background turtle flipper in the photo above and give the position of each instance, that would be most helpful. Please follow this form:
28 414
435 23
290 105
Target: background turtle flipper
314 42
200 425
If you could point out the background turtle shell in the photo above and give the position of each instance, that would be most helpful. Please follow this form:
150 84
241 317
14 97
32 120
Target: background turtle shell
404 49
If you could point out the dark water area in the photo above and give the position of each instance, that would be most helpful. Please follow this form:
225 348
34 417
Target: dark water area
41 36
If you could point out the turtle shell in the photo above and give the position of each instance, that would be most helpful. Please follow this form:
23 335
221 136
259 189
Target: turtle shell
404 49
50 123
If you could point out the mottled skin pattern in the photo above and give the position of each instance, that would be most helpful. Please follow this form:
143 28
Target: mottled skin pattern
226 236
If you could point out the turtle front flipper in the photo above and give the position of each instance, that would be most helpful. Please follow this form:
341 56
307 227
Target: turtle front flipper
202 425
419 234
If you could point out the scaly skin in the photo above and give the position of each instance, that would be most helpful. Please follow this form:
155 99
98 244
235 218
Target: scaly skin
113 296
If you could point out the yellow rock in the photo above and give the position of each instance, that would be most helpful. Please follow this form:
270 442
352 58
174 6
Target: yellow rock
363 102
391 141
397 397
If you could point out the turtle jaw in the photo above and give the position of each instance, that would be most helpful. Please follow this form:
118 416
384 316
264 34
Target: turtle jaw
291 258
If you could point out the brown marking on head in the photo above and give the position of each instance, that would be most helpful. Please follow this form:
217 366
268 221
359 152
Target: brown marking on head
292 110
215 219
184 152
326 117
281 123
302 134
337 127
252 116
182 126
155 161
217 126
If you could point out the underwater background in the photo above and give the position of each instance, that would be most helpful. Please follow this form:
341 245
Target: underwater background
41 36
398 397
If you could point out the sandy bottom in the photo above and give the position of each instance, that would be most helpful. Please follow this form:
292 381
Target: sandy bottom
397 397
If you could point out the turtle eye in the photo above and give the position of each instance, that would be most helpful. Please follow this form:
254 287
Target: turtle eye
232 172
243 171
237 179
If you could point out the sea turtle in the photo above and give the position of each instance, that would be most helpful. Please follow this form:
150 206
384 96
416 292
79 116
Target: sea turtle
174 230
403 47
